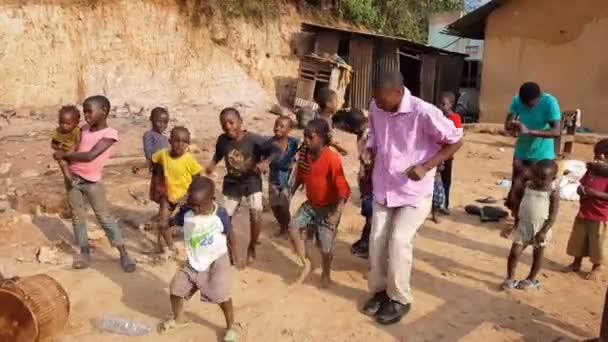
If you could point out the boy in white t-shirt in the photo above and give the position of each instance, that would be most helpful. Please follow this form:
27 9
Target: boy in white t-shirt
208 270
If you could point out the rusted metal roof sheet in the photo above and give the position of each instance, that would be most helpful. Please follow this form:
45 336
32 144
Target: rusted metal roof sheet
310 27
473 25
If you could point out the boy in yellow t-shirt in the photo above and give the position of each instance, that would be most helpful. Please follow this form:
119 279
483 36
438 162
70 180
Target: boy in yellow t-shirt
66 136
179 167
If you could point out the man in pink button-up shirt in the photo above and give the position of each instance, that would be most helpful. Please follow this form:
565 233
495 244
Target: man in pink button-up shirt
409 138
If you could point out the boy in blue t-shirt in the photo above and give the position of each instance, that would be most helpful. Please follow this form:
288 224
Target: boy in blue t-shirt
534 116
208 270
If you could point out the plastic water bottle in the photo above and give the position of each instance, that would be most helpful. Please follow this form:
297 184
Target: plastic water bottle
116 325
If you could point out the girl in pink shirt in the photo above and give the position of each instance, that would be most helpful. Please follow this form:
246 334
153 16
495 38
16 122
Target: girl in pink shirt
86 166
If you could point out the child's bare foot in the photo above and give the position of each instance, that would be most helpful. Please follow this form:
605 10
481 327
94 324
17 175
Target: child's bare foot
304 273
240 264
505 233
162 257
435 218
595 272
325 281
177 254
251 254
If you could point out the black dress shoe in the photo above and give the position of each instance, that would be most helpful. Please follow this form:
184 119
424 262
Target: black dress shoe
373 305
392 312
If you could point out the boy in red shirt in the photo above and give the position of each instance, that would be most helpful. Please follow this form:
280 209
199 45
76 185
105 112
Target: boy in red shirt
447 104
327 191
588 237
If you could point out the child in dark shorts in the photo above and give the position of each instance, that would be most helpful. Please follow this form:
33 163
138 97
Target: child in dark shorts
327 191
207 270
280 171
178 167
355 122
247 156
153 141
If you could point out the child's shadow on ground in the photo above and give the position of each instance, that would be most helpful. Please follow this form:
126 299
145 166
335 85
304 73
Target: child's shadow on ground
505 313
275 255
462 241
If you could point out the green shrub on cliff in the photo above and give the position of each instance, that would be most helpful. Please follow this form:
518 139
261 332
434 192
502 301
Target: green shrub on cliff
405 18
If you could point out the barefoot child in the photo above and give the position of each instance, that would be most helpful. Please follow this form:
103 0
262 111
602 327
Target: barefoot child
327 191
280 170
154 140
179 167
537 213
247 156
588 237
208 270
67 136
355 122
86 167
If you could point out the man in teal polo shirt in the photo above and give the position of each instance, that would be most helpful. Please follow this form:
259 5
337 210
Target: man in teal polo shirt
535 117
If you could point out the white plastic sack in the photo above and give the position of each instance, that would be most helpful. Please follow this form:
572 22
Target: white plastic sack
576 168
567 187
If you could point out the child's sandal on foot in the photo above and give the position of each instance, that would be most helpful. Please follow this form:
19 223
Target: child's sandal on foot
127 264
509 284
231 336
528 284
81 261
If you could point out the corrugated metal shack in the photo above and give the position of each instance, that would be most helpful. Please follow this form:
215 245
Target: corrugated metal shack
316 72
427 70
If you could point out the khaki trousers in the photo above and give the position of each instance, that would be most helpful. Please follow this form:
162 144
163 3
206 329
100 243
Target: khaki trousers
391 247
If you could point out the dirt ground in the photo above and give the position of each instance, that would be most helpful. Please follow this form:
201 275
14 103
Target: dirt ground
458 266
